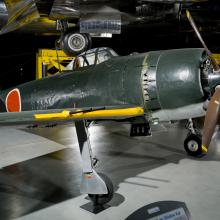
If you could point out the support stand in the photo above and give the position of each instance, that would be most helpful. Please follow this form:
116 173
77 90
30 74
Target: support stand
94 208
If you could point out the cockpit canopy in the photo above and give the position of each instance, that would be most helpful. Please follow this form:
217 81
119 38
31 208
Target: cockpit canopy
93 57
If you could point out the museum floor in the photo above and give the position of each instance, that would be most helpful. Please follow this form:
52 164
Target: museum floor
41 172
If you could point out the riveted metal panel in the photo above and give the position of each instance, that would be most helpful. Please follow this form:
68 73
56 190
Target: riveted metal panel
110 83
178 78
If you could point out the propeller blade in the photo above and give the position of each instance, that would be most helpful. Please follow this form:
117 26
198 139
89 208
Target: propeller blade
211 119
214 63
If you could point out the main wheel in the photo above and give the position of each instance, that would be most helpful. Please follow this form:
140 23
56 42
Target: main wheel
193 144
101 199
75 43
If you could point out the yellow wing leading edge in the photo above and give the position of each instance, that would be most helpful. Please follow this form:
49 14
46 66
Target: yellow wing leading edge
94 114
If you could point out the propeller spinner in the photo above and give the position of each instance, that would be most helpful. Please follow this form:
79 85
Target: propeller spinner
213 109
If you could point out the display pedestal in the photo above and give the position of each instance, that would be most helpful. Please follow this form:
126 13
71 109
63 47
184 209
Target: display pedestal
95 209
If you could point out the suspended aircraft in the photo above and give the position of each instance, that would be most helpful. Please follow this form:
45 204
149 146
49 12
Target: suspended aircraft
77 21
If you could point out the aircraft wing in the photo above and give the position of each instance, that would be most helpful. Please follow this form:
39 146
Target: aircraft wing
73 114
20 13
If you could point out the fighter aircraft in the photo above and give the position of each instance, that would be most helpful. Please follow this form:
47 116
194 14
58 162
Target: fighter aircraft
144 88
77 21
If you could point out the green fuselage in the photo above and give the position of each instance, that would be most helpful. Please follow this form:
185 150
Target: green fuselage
155 80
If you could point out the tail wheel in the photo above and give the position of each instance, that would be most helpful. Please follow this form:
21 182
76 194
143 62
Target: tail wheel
101 199
193 144
75 43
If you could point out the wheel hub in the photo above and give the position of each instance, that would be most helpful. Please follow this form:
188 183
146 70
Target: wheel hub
193 146
77 42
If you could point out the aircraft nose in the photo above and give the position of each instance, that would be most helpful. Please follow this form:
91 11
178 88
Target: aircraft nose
209 77
214 80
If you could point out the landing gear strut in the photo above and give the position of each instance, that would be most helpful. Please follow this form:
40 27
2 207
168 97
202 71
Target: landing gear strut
193 141
98 186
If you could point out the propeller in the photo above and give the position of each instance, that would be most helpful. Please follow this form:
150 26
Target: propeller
211 119
213 109
214 63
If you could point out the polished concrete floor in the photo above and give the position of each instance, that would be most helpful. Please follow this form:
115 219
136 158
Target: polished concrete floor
40 172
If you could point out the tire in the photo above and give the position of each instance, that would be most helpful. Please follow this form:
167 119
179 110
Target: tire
88 36
101 199
193 145
73 43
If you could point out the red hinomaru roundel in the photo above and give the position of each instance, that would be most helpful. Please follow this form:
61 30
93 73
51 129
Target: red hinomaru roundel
13 101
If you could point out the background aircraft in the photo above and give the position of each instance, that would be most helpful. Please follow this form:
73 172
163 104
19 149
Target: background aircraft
79 20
